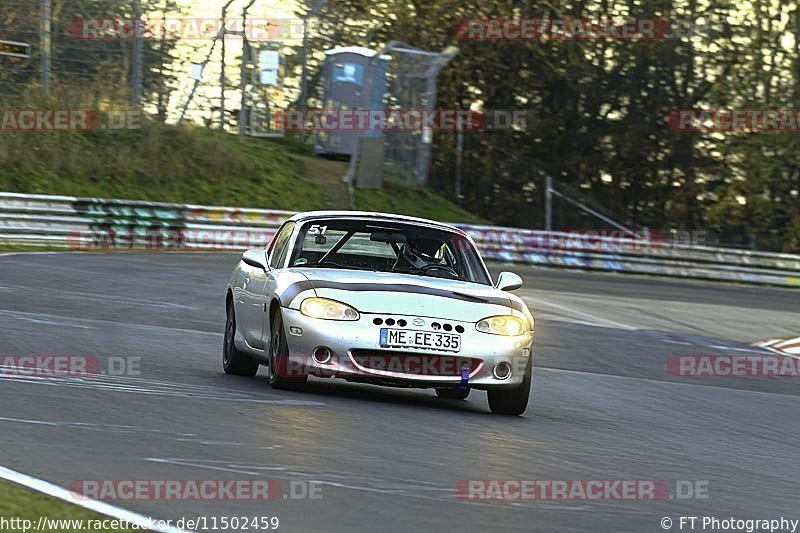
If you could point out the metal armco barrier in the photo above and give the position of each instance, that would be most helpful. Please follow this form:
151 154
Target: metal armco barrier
93 223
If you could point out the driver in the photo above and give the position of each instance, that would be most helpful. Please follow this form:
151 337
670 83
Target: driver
421 252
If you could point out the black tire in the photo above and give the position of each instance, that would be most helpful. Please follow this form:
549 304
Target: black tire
278 358
453 394
233 361
512 401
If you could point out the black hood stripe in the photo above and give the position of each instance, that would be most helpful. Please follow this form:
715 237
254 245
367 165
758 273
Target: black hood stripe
293 290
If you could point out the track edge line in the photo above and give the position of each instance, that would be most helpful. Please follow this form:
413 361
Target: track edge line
59 493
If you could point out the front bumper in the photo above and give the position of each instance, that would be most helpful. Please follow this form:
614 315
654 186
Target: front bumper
356 354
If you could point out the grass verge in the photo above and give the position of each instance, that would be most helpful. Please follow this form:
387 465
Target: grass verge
159 163
20 503
186 164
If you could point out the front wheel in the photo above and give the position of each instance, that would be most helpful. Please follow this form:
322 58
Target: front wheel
234 361
512 401
279 359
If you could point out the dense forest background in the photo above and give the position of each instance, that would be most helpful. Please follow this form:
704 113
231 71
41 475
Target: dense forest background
601 108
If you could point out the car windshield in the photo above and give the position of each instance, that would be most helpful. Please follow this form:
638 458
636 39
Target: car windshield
387 246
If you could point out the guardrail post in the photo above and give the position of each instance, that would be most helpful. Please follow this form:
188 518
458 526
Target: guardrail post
138 53
548 203
45 43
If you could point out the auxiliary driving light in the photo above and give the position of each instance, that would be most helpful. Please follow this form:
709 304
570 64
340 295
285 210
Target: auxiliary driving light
322 355
502 370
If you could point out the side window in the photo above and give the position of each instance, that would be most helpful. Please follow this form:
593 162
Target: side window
278 253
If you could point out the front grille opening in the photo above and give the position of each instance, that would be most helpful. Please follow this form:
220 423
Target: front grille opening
417 364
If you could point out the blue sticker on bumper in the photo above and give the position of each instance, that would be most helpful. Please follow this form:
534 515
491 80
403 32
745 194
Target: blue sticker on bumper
384 337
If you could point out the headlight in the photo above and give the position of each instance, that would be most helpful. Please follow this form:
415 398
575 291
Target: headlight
327 309
507 325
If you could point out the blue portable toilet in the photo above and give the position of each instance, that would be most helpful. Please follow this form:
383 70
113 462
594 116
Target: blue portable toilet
354 78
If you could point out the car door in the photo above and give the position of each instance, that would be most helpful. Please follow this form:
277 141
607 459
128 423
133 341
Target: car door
251 304
277 258
256 287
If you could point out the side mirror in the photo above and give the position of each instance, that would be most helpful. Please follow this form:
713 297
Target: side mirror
508 281
256 258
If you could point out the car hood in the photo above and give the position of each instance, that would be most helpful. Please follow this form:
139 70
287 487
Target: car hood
404 294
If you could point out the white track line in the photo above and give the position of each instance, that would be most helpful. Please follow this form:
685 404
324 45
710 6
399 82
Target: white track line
7 254
63 321
92 505
598 320
753 350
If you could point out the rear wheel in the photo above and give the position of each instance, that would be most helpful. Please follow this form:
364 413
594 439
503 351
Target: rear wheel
279 358
512 401
234 361
453 394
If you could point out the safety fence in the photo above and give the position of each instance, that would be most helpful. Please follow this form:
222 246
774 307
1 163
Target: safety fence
92 223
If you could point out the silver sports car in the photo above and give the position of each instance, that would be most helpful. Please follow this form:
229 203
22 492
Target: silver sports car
382 299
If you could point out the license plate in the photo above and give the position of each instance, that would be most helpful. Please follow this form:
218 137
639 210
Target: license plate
412 338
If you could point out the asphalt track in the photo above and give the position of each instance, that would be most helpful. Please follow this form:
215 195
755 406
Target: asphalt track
603 405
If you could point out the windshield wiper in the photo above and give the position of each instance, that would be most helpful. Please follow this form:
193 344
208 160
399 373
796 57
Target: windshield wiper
331 264
322 264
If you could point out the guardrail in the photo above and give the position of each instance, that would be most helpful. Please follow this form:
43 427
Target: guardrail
93 223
